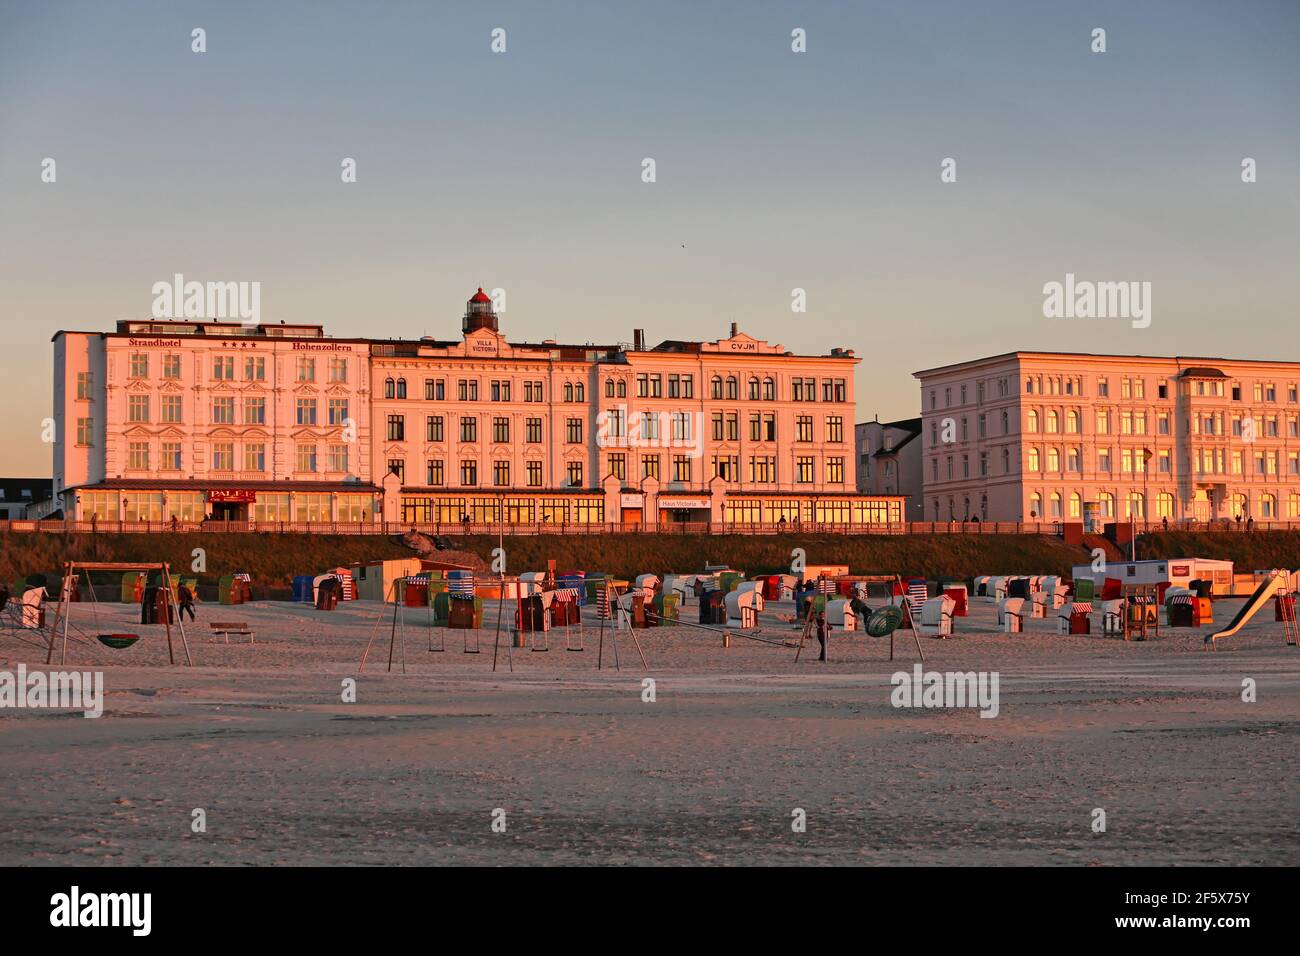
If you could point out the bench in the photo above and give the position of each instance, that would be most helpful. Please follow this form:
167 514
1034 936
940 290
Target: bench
226 628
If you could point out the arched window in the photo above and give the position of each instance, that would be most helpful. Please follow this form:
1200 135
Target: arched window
1267 506
1035 506
1164 505
1076 505
715 386
1072 422
1106 504
1029 386
1136 505
579 391
1053 422
1075 459
622 388
1238 506
401 388
1053 459
769 390
1055 501
1031 420
390 388
568 391
733 387
753 390
1033 460
1293 505
984 507
609 388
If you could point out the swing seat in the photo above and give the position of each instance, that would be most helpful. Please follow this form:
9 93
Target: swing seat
884 621
118 641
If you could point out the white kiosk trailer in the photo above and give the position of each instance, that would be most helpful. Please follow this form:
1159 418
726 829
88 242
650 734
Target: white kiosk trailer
1175 572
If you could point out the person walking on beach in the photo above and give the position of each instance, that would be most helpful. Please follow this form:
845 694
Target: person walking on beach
823 633
186 597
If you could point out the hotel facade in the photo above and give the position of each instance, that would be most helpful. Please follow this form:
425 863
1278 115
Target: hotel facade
282 424
1061 436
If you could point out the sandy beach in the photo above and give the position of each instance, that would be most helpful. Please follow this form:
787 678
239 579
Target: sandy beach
1156 734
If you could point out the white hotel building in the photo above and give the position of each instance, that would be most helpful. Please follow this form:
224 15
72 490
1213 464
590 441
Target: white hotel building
1067 436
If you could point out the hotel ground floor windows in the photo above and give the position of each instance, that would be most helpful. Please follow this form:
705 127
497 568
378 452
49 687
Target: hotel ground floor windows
103 505
272 507
142 506
354 508
186 505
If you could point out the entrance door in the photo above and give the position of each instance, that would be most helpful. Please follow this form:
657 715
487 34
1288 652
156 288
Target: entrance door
1201 506
631 517
229 511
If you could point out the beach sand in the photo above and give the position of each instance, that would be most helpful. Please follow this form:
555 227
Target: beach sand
1156 734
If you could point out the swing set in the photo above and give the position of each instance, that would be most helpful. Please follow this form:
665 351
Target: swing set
73 572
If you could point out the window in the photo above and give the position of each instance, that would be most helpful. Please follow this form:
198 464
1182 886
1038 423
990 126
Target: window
501 430
1103 460
1031 420
171 366
254 368
306 411
805 469
681 426
835 471
85 386
574 473
434 473
469 429
435 389
255 457
139 365
85 431
1103 388
501 473
803 428
733 388
1072 422
835 428
433 429
223 410
573 431
618 466
255 411
223 456
753 389
397 466
171 408
1053 422
1053 459
338 458
467 390
338 370
533 430
1032 462
338 411
390 387
138 455
681 468
306 458
137 408
534 469
769 389
401 388
306 369
171 456
1074 459
397 428
650 466
501 390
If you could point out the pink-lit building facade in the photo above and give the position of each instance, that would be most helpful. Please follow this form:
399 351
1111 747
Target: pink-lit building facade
162 419
283 424
735 432
1069 436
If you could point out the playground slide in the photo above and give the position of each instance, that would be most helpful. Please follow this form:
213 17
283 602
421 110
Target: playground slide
1256 601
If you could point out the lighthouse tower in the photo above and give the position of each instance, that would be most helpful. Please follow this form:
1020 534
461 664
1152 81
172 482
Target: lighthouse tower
479 313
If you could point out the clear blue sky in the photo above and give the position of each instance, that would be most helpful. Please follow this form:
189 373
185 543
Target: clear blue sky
775 170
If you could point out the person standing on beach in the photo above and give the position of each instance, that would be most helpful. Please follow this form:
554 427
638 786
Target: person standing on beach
186 597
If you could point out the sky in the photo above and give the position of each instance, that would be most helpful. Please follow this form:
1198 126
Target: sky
774 170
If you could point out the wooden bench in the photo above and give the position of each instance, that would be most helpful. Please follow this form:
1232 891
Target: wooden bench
226 628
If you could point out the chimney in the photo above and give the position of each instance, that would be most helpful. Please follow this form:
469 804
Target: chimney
734 330
638 340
